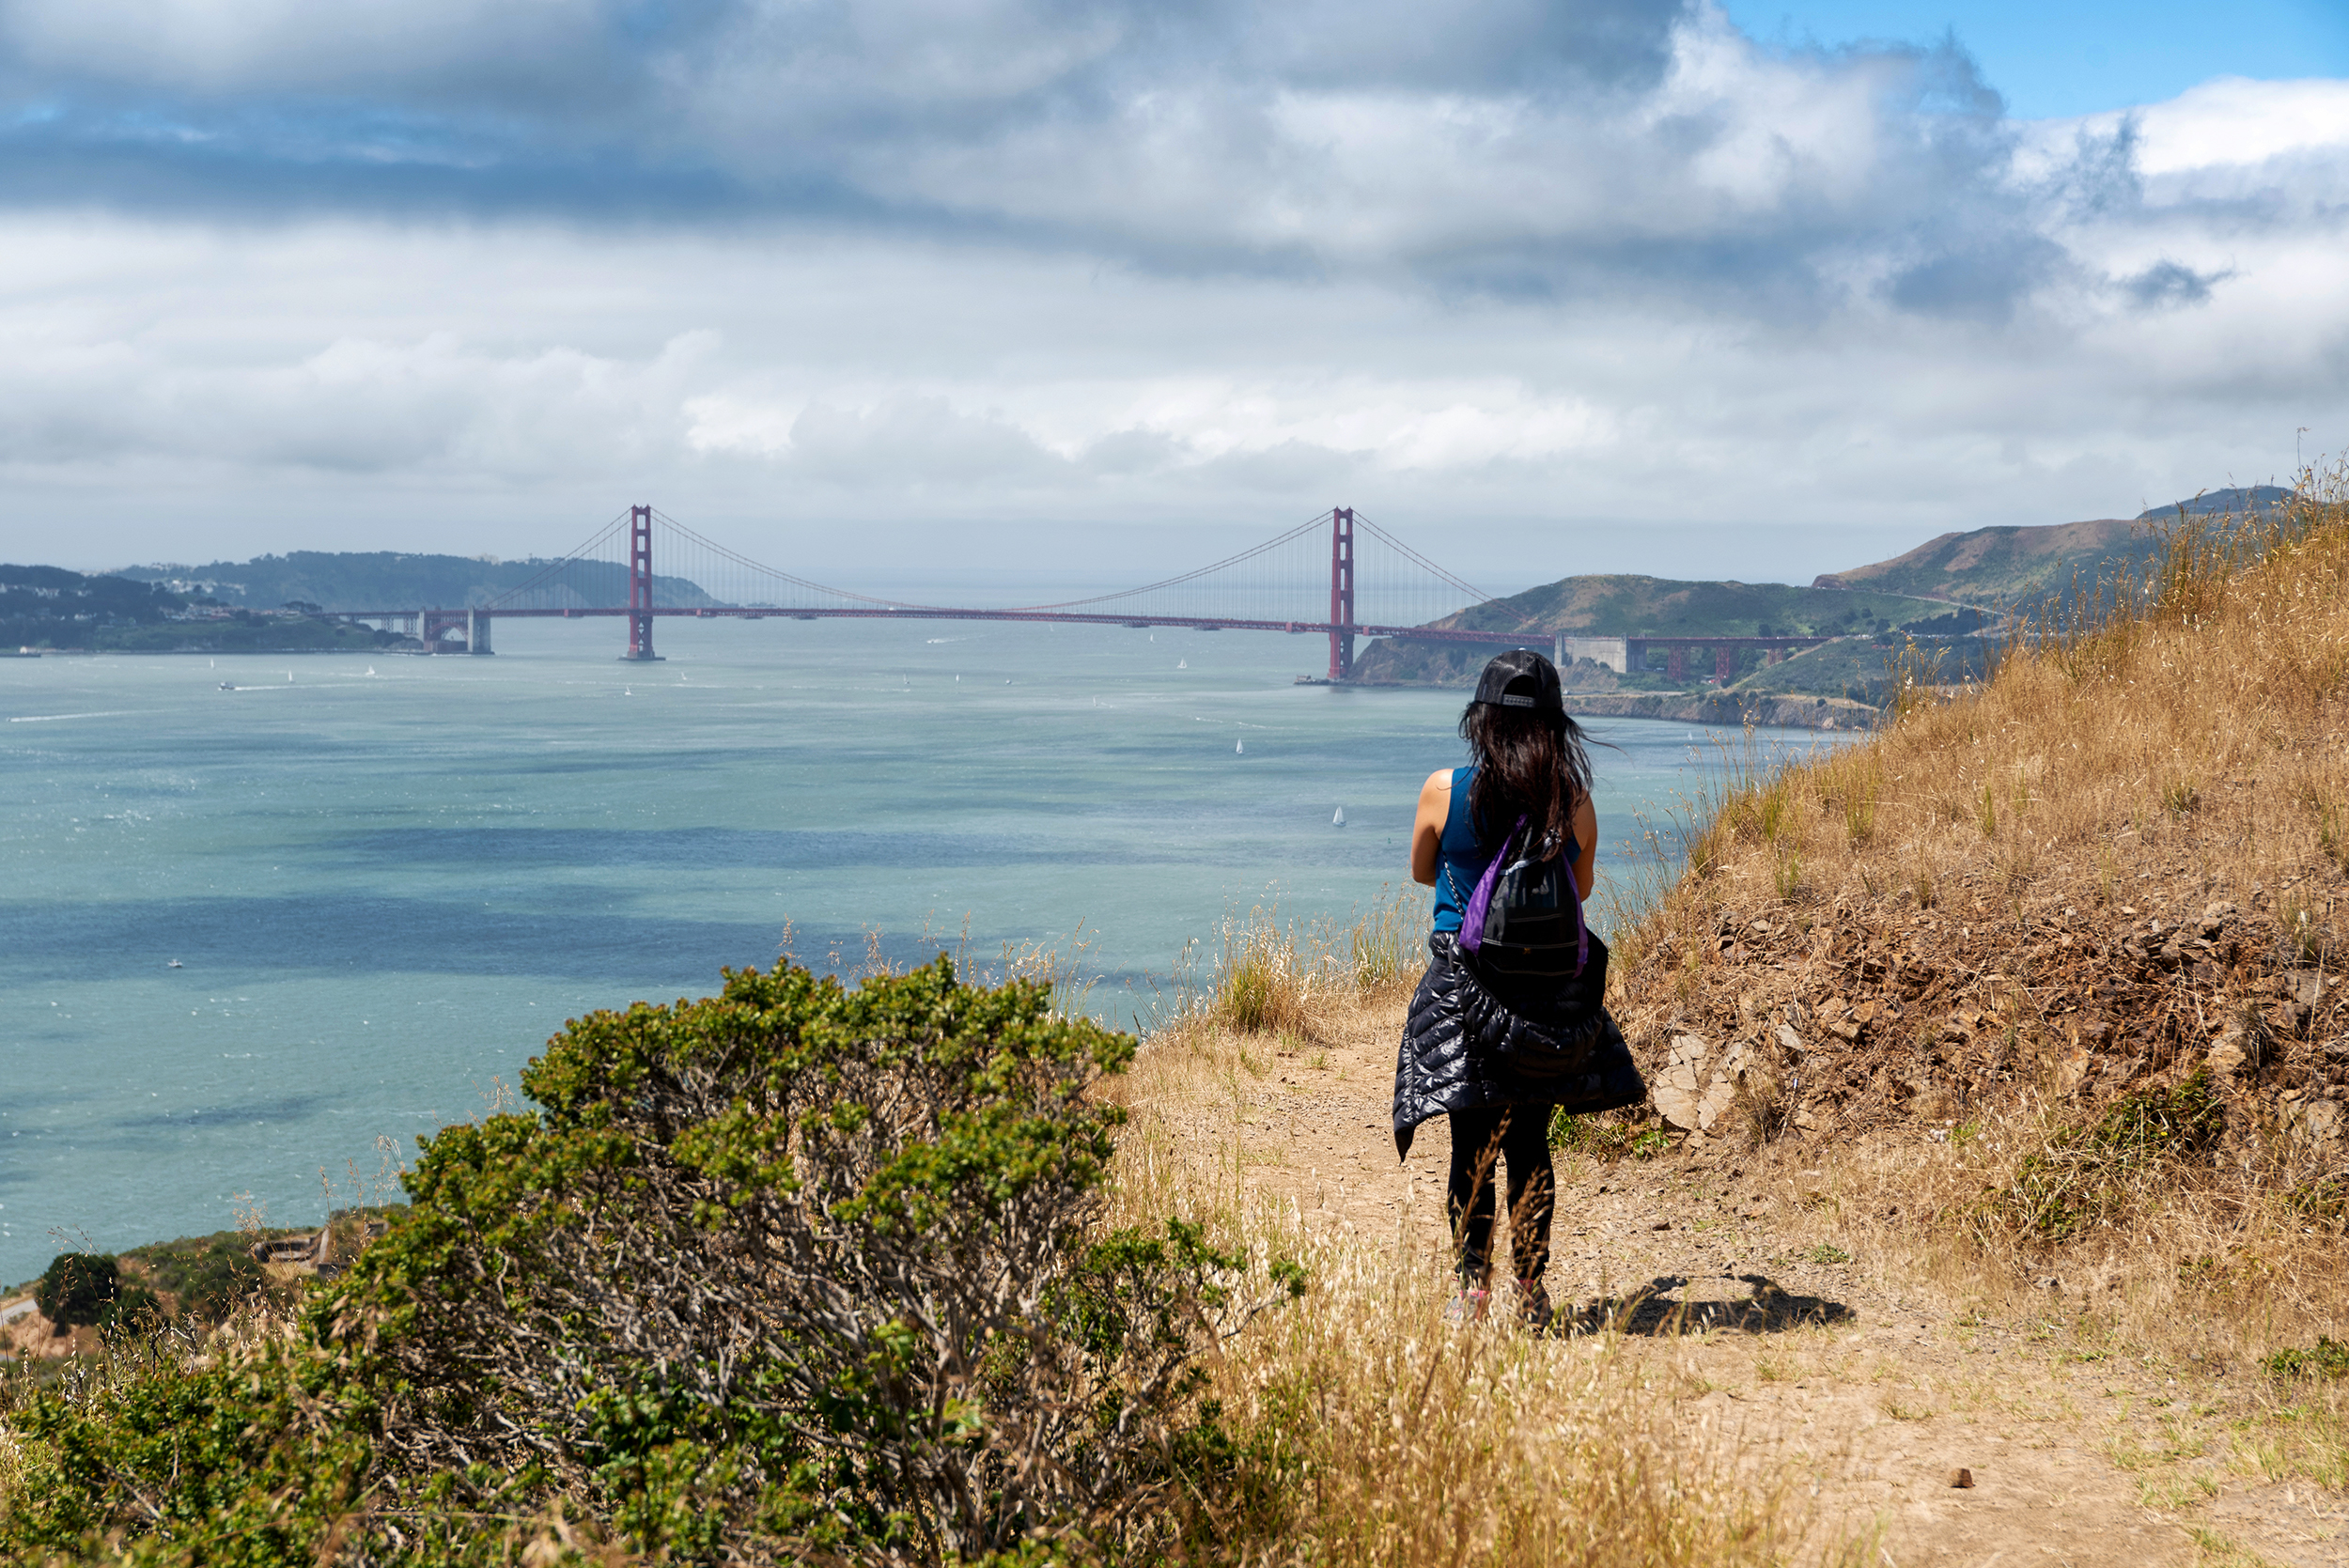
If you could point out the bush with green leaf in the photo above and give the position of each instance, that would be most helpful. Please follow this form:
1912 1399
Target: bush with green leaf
2329 1359
2087 1175
207 1277
78 1289
794 1269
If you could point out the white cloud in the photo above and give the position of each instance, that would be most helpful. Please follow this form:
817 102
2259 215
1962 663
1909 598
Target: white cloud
1088 263
2231 121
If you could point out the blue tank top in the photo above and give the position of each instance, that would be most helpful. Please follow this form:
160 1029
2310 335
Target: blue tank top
1460 862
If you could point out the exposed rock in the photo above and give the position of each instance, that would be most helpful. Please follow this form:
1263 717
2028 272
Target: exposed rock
2072 1071
2315 1121
1697 1086
1677 1090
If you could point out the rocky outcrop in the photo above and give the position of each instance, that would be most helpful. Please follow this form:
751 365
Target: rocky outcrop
1869 1014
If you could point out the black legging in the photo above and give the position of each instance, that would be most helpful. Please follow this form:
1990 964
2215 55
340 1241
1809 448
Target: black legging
1520 1136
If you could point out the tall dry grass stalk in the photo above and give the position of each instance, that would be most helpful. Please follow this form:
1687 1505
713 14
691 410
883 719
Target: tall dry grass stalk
11 1463
1376 1432
2181 712
2208 1277
1276 976
2167 738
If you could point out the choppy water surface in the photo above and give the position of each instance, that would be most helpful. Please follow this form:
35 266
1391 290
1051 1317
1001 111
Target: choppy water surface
387 880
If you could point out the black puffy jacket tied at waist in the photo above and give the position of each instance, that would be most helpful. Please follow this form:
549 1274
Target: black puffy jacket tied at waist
1453 1055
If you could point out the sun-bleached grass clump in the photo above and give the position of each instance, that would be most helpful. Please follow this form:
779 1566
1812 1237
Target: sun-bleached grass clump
1276 976
2201 1273
2182 712
2161 748
1375 1431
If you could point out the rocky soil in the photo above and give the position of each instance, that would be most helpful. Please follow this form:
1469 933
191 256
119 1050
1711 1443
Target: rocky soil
1814 1359
1880 1014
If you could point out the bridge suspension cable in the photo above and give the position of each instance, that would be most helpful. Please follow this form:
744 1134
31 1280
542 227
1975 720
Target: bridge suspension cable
1336 573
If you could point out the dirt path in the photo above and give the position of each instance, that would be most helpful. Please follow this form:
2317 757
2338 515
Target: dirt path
1873 1390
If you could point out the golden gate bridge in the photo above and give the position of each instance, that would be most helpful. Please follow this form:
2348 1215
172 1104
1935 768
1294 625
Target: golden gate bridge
1320 578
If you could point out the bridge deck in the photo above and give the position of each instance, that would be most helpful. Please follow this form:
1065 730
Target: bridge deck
1509 639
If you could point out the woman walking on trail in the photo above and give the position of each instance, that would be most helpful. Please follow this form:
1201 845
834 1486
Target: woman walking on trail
1508 1024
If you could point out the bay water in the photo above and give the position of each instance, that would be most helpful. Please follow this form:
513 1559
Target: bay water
257 915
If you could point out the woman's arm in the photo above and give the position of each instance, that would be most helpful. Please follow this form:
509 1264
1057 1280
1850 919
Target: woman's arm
1435 806
1586 835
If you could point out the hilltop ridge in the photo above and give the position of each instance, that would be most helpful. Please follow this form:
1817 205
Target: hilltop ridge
2014 565
1626 604
385 578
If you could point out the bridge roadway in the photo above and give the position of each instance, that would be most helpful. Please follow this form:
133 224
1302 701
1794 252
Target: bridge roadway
1618 653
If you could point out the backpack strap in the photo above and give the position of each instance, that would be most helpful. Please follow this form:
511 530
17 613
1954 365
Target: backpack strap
1480 903
1574 891
1473 918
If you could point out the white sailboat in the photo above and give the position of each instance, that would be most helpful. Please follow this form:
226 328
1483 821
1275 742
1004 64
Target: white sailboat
1239 748
1339 819
1182 664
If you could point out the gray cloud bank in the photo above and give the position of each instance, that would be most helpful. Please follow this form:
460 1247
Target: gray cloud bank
1599 276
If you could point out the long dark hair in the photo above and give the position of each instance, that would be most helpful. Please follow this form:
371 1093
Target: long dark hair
1529 764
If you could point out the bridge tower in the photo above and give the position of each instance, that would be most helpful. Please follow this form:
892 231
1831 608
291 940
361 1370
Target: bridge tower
1342 594
640 587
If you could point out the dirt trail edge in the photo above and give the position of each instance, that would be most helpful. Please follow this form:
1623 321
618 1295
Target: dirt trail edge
1875 1388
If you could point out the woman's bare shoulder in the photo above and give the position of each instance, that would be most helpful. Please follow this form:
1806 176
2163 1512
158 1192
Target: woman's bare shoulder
1439 781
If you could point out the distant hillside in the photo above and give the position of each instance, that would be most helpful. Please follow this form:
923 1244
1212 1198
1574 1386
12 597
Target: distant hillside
385 579
49 607
1658 607
2024 565
1625 606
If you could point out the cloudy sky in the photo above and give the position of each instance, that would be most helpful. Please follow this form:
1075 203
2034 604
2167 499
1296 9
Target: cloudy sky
890 289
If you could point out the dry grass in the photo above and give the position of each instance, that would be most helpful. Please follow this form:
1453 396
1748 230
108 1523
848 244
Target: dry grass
2161 743
1275 976
1381 1433
11 1463
2201 726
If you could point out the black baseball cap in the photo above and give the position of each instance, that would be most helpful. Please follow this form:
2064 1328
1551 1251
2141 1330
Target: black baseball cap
1521 678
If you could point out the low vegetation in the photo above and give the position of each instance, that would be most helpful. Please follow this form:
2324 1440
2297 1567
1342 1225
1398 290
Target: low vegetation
794 1269
2053 961
2026 1001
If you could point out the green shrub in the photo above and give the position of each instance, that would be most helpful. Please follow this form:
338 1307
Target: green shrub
2087 1175
78 1289
2184 1119
2330 1358
1604 1137
791 1271
207 1276
1599 1136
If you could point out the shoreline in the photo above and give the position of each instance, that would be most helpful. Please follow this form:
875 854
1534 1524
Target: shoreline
1728 707
1775 710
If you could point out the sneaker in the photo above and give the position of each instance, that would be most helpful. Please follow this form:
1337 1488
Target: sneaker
1534 1308
1468 1307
